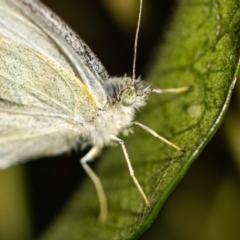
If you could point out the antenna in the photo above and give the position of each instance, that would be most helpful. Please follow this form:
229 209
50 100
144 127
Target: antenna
136 41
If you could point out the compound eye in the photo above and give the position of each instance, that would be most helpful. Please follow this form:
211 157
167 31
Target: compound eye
128 97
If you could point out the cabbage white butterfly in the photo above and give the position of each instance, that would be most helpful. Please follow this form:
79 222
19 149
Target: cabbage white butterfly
55 94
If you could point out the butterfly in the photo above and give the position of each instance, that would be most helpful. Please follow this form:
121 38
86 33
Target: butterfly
55 95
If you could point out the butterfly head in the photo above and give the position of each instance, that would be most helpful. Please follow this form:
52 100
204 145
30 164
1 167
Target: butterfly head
128 92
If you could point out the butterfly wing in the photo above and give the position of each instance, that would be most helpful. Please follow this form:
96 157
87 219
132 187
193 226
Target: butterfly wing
71 45
44 104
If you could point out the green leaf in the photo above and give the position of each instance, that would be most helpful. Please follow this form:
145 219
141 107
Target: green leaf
200 50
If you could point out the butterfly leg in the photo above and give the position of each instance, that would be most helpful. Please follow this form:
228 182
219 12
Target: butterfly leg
172 90
94 151
152 132
121 142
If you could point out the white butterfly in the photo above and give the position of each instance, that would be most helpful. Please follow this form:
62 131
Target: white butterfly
55 94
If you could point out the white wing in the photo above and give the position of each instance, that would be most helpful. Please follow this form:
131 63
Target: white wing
94 75
43 104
